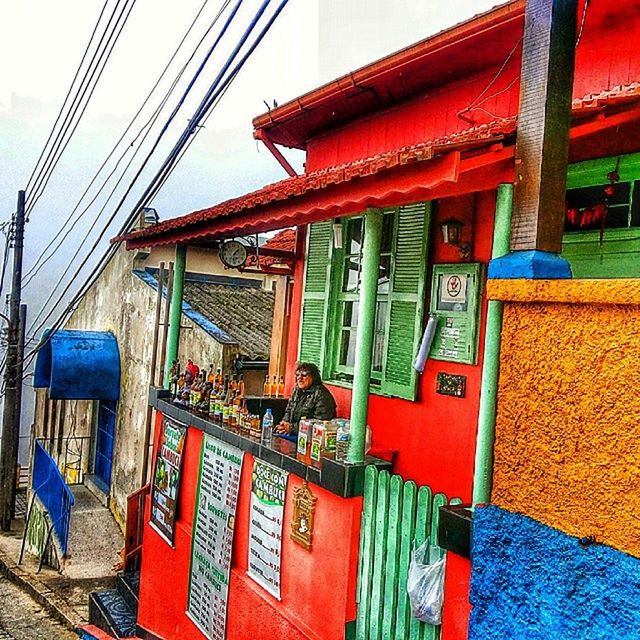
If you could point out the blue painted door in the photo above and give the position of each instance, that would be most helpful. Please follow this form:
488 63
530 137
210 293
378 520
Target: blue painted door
104 440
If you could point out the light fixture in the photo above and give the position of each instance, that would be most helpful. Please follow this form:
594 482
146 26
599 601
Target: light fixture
452 234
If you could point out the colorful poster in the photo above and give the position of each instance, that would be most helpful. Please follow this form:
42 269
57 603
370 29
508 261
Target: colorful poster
268 491
214 521
166 478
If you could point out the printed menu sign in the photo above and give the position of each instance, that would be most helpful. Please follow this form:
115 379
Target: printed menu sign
166 478
268 490
214 520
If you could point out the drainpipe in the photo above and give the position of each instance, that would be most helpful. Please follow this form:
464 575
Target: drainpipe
176 310
483 474
364 335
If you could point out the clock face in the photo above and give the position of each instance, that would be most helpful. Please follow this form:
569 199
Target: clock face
233 254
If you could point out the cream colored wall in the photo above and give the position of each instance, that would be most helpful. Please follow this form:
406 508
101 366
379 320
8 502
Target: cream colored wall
203 260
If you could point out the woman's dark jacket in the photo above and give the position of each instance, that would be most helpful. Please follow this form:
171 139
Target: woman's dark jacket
314 402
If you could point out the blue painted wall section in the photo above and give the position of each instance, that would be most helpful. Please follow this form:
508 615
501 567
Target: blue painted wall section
79 365
532 582
533 265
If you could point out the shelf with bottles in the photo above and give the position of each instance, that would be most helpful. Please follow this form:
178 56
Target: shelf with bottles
343 479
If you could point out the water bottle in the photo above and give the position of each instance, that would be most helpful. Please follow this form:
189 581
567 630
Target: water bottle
267 427
342 439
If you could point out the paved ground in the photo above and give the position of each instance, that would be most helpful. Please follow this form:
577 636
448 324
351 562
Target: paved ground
93 544
22 618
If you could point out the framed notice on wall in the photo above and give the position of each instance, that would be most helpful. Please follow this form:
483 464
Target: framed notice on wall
268 491
212 542
165 488
455 300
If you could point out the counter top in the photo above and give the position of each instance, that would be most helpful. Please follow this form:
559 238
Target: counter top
344 480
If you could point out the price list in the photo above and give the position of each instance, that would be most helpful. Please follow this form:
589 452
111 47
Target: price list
214 521
268 492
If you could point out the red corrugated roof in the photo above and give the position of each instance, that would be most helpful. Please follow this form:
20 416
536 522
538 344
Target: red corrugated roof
292 189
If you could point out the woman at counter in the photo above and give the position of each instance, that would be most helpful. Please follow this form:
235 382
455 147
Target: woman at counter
310 399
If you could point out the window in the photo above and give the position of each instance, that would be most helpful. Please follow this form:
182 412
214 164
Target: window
332 292
602 231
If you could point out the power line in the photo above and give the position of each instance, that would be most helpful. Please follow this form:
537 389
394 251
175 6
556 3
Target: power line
52 162
128 190
75 77
210 100
42 260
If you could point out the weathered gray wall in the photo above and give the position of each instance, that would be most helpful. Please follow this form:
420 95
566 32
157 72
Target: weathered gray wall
121 303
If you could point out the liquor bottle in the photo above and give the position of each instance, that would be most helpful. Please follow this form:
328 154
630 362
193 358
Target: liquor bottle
274 387
266 390
241 387
212 376
281 387
244 415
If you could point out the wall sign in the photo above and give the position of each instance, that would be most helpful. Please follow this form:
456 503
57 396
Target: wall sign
268 490
166 478
451 385
214 521
455 294
304 505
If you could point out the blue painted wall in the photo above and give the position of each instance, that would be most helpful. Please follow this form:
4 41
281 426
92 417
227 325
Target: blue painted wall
532 582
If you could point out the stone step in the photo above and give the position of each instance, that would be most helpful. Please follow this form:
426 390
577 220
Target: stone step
128 585
109 611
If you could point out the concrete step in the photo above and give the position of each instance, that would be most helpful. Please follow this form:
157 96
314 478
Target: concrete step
128 586
109 611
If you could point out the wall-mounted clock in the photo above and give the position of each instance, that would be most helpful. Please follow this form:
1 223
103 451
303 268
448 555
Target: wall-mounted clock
233 254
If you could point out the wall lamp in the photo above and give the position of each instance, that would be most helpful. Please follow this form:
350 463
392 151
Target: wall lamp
452 234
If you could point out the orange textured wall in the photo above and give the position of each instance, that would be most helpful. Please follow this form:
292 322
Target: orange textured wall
567 449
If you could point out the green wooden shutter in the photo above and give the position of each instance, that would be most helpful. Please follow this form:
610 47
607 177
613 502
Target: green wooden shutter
406 300
315 299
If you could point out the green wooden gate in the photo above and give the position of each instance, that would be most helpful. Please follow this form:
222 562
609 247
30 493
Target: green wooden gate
395 514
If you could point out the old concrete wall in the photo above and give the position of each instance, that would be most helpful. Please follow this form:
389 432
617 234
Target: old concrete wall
567 434
123 304
566 470
531 581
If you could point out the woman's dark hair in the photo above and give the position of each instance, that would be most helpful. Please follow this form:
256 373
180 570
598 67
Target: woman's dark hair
311 369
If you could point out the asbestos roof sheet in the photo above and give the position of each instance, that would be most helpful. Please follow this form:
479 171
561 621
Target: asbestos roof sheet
244 313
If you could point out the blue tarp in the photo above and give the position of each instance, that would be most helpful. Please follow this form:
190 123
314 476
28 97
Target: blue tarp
79 365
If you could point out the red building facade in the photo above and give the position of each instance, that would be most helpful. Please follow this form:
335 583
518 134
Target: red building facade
432 126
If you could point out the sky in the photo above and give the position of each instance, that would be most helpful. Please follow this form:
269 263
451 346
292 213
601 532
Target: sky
41 44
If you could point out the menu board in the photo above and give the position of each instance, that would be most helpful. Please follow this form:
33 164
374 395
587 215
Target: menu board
268 491
454 299
214 521
166 478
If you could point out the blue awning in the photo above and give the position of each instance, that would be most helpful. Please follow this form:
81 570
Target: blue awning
79 365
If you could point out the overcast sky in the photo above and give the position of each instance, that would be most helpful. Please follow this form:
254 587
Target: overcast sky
41 44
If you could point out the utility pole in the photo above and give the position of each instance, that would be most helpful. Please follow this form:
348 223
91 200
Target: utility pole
13 380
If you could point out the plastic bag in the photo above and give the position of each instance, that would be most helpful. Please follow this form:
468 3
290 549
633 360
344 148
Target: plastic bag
425 584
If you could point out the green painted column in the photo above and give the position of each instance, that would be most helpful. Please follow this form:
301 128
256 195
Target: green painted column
364 336
176 310
483 473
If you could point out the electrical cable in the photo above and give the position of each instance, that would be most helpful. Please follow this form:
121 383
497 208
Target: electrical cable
211 100
110 220
42 260
102 61
75 77
108 223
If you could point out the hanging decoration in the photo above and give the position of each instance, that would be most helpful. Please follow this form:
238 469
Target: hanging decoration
595 215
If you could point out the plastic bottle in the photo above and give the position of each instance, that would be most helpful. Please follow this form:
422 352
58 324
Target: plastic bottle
342 439
267 427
